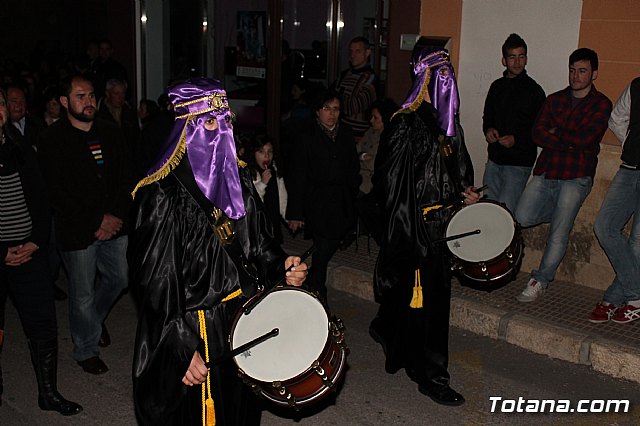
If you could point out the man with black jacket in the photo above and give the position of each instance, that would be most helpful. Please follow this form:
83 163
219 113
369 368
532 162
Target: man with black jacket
510 109
86 167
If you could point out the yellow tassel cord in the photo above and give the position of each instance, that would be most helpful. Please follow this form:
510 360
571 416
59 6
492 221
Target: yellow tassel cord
416 301
208 411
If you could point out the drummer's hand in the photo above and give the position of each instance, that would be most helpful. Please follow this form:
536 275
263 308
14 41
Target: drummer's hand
197 372
470 195
298 273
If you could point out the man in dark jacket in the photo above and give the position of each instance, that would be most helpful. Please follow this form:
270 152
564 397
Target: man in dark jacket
510 109
86 167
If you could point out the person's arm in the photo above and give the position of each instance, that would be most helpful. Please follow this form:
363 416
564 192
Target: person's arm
491 134
66 193
298 182
544 132
620 115
283 196
123 176
165 343
586 134
522 132
261 187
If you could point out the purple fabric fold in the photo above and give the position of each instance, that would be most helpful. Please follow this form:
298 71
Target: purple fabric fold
434 69
211 153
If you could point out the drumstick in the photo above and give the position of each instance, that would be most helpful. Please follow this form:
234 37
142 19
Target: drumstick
242 348
455 237
303 256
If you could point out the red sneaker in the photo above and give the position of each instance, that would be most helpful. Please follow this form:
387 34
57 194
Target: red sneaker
602 313
626 314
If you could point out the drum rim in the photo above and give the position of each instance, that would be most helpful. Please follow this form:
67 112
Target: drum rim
260 297
513 235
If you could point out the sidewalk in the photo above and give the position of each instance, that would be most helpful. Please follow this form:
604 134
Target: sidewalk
555 325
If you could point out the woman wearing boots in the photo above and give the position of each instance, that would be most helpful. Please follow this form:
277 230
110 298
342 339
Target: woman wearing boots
24 266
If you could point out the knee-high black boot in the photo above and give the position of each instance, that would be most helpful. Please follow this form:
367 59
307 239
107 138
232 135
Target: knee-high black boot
44 356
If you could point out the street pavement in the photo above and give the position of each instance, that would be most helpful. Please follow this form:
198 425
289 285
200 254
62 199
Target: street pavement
480 367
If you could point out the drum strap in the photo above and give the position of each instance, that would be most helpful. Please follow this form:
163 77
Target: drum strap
223 228
416 301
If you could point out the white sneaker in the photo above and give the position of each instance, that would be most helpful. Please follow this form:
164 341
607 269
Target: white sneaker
531 292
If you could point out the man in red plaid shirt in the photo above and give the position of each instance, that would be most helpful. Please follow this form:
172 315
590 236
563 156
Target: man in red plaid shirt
569 129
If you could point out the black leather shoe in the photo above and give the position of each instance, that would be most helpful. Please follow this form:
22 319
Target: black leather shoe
105 338
442 394
93 365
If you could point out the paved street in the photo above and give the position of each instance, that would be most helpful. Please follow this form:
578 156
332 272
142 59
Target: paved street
481 367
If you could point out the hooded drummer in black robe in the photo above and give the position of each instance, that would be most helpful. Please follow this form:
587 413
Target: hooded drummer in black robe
422 173
190 288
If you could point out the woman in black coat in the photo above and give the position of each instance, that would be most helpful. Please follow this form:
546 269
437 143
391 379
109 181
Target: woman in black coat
323 186
25 218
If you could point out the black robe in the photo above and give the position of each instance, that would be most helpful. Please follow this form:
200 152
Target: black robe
411 172
179 267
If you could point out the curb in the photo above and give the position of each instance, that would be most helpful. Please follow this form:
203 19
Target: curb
527 332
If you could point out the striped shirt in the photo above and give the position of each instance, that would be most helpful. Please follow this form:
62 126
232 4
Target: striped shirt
15 221
357 91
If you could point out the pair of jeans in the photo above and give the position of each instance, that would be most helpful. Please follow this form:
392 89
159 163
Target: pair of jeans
90 300
621 202
556 202
505 184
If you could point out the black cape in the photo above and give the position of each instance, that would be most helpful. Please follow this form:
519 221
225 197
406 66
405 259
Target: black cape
179 267
411 172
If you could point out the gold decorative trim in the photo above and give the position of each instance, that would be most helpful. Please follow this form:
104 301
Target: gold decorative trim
215 102
172 163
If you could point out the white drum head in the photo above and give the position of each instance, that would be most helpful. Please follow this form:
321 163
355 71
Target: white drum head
496 227
304 331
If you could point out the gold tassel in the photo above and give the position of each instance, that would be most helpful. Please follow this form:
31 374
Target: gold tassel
208 410
211 413
416 300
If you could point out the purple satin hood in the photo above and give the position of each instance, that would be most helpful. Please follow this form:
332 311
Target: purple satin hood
211 153
434 75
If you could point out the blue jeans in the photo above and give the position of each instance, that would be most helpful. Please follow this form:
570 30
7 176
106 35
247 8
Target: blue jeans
556 202
89 300
505 183
621 202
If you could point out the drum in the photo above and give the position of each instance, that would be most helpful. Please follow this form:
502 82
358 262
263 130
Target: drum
491 255
304 361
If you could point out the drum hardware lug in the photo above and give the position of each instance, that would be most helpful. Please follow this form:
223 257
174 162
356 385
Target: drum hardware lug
509 256
282 391
337 324
333 360
323 375
483 268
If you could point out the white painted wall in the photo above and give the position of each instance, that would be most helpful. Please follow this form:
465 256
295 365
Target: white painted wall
550 29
